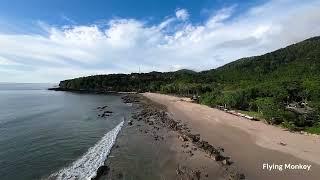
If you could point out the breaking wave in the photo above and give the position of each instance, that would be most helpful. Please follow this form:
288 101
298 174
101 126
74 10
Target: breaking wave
87 165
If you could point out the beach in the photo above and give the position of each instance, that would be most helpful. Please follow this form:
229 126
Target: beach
250 144
152 145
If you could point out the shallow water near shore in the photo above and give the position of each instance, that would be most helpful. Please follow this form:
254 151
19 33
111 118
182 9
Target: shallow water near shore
42 132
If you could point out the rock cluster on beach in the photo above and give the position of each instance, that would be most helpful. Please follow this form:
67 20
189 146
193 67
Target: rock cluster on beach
155 115
153 120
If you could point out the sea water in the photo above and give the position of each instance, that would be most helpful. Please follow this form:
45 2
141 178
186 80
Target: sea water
47 133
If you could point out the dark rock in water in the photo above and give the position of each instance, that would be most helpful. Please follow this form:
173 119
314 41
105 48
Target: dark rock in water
104 115
102 170
102 107
108 112
130 123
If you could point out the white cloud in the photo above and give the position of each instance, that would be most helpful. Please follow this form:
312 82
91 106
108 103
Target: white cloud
127 44
5 61
182 14
220 16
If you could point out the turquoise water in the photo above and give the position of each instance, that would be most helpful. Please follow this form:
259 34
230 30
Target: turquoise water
42 132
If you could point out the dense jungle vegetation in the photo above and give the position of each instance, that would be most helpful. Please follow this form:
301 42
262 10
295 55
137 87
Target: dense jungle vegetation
282 87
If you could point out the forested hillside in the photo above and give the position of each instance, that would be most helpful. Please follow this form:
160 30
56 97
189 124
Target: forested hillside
282 87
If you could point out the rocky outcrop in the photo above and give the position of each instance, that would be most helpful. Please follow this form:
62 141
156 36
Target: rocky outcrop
155 115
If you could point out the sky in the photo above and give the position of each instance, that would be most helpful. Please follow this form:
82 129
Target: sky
49 41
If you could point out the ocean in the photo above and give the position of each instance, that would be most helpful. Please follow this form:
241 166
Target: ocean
47 134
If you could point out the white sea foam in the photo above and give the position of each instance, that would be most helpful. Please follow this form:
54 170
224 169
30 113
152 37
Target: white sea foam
87 165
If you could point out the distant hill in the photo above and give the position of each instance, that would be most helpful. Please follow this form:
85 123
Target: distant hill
297 60
281 86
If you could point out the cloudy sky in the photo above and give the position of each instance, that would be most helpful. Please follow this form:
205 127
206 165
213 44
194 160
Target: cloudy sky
48 41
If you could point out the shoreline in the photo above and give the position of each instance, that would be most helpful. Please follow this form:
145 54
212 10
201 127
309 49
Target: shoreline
250 143
179 153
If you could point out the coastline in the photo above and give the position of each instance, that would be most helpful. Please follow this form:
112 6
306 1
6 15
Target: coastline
250 143
166 146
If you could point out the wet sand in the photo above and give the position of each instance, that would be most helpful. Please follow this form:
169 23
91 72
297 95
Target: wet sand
249 143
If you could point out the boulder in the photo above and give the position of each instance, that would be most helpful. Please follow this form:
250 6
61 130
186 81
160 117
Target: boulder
194 137
217 157
226 162
183 138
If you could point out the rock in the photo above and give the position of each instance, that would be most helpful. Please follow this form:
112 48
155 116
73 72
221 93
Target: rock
108 112
130 99
194 138
237 176
102 170
190 152
183 138
185 145
283 144
226 162
178 171
130 123
220 149
241 176
217 157
197 174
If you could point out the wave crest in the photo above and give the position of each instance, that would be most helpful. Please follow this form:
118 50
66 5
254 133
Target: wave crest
87 165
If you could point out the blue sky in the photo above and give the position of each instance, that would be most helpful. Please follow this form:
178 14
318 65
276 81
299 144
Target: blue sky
47 41
86 12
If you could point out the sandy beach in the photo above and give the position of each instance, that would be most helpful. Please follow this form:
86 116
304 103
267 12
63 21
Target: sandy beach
152 146
250 144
